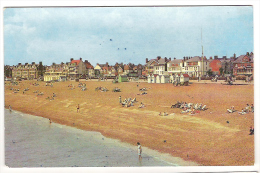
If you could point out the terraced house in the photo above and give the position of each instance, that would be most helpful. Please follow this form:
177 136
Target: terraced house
26 71
57 72
244 65
76 69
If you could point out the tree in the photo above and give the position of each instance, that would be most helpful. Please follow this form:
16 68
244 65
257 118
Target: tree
7 71
40 69
209 72
221 70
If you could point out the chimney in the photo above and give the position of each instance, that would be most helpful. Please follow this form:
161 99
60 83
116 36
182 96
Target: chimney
53 63
215 57
184 58
170 59
61 63
235 56
210 57
80 59
71 59
165 59
19 63
247 53
158 57
189 57
33 62
86 61
26 63
224 57
146 60
174 58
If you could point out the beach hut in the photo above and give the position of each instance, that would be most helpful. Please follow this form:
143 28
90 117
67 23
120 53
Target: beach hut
158 79
184 78
176 78
63 78
154 78
122 78
165 79
149 78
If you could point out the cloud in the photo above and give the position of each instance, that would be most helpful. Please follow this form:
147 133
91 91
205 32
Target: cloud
57 34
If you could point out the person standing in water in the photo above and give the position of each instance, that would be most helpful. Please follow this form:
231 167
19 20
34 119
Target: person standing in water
139 147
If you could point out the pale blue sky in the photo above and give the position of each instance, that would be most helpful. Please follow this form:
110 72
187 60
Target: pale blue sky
58 34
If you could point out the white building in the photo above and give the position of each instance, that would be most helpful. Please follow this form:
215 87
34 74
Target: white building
196 66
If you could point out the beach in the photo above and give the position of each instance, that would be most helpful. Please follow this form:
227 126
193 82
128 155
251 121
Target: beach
209 138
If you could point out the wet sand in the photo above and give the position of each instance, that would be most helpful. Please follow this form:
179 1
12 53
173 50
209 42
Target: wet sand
31 141
205 138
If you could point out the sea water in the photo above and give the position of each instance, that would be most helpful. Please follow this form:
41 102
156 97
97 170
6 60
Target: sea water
31 141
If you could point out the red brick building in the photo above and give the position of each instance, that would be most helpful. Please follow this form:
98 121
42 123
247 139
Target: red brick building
215 65
244 65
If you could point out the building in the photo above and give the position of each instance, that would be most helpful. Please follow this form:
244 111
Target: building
99 70
161 67
196 66
149 66
89 69
244 65
215 65
56 72
26 71
77 69
175 66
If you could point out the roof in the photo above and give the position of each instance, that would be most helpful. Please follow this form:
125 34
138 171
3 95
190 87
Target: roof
185 75
195 59
106 68
240 58
75 61
176 61
88 65
162 61
151 61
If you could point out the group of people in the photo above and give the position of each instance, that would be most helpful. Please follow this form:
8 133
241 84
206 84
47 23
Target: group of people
247 109
116 89
189 107
82 86
127 102
102 89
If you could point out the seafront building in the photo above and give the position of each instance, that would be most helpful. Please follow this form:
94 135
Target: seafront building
193 66
25 71
56 72
244 65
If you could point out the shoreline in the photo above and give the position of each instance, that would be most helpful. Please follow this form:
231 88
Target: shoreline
187 136
174 161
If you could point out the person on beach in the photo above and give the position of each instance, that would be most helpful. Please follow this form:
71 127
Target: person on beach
50 120
120 101
78 108
252 108
139 149
251 131
10 108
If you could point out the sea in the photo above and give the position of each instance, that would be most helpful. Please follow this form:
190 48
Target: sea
32 142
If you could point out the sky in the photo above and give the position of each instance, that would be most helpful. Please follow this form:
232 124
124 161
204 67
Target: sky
125 34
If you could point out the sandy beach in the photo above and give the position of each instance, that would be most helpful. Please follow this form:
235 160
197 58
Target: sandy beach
205 138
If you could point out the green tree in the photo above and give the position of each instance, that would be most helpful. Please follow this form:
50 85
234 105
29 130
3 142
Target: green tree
7 71
209 72
41 69
221 70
